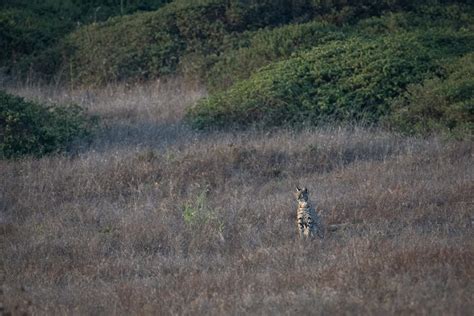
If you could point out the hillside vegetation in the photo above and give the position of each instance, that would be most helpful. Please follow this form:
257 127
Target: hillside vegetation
439 104
262 47
31 32
30 128
350 80
278 63
353 74
154 44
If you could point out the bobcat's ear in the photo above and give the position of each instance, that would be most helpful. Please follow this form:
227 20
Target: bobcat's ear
298 189
305 190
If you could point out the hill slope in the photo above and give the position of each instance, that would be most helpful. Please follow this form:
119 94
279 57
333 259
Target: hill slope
349 80
273 63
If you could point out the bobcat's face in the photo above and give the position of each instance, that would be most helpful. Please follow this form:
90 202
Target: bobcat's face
301 194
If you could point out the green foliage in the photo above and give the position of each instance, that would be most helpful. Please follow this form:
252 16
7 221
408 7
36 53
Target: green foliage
252 50
29 128
31 31
439 104
141 46
25 34
84 11
283 62
193 212
184 36
350 80
188 35
259 48
422 17
198 213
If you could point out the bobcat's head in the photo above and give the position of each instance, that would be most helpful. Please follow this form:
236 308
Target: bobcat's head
301 194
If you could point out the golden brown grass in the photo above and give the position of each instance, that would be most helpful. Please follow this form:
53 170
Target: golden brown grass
154 218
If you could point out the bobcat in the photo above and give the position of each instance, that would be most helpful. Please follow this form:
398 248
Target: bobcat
308 221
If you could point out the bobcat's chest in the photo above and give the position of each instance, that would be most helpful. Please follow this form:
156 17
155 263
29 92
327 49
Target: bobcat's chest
303 208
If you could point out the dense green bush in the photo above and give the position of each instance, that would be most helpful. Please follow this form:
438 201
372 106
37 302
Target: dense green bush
153 44
422 17
85 11
439 104
24 34
31 31
140 46
252 50
186 35
29 128
257 49
350 80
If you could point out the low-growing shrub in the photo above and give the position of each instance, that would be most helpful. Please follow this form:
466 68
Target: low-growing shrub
350 80
260 48
31 31
423 17
439 104
244 54
140 46
29 128
185 35
24 34
197 212
153 44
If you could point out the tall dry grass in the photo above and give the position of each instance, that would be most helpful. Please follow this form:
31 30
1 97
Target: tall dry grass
154 218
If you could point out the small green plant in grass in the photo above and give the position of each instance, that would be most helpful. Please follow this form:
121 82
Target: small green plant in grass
197 212
30 128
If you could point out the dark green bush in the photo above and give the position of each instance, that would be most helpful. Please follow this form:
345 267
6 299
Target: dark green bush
149 45
422 17
24 33
265 46
252 50
141 46
350 80
439 104
216 40
31 30
29 128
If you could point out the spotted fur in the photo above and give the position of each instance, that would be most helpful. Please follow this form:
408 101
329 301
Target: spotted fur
307 219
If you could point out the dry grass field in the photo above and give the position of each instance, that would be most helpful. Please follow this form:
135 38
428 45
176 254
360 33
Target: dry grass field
155 218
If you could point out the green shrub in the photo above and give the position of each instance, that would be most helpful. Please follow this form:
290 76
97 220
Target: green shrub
198 212
439 104
149 45
29 128
422 17
31 31
350 80
265 46
252 50
193 37
24 33
140 46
